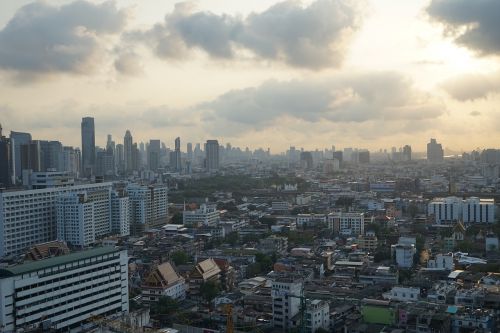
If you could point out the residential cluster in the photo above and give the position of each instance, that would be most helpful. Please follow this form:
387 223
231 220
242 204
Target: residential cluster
138 237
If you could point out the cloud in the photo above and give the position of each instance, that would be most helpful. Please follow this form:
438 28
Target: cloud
474 24
475 113
128 63
311 37
473 86
381 98
41 38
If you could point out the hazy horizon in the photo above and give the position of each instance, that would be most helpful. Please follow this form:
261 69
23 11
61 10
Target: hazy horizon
272 74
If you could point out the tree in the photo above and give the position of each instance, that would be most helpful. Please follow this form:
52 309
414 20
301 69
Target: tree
177 218
209 290
232 238
165 305
179 257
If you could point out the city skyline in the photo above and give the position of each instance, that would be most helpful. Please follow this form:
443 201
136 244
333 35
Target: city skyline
239 80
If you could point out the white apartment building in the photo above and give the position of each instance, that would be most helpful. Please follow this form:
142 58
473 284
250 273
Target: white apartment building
347 224
475 210
404 254
285 293
63 292
149 206
310 219
75 219
120 213
206 215
403 294
453 209
442 261
317 315
29 217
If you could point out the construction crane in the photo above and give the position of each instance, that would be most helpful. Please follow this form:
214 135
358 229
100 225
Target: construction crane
302 311
228 310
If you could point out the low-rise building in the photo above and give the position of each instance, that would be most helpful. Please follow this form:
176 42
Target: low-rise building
163 280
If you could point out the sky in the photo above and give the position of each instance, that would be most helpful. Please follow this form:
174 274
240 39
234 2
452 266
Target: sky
263 73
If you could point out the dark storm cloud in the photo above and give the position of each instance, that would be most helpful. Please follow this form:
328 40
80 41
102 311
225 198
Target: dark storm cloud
312 37
41 38
356 98
475 23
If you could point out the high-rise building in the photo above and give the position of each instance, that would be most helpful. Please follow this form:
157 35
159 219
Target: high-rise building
5 160
16 140
75 219
71 161
128 151
306 160
120 212
407 153
105 164
35 210
154 153
62 293
31 156
175 156
88 146
189 151
119 158
435 152
285 292
363 157
212 155
148 205
51 153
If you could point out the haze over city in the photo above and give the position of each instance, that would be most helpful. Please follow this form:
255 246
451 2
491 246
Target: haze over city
270 74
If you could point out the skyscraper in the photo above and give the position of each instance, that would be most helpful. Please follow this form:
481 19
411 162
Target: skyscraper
407 153
88 146
16 140
154 151
177 154
128 152
190 151
5 161
435 152
212 155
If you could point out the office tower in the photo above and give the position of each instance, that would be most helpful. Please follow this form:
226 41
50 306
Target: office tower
128 152
435 152
143 154
71 161
51 153
5 160
364 157
306 160
176 164
212 155
407 153
148 206
189 151
88 146
338 155
105 164
135 157
35 210
61 294
154 152
31 156
119 158
16 140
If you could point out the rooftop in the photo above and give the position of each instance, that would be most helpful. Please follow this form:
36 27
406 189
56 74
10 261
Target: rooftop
56 261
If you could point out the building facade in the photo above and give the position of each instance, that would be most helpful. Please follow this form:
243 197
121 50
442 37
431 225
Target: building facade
63 292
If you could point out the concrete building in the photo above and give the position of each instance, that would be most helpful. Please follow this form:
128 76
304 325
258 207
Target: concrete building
404 254
206 215
154 154
212 155
347 224
285 293
29 217
403 294
5 160
120 213
317 315
445 210
41 180
17 139
88 146
475 210
435 152
63 292
149 206
128 152
442 261
163 280
75 219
